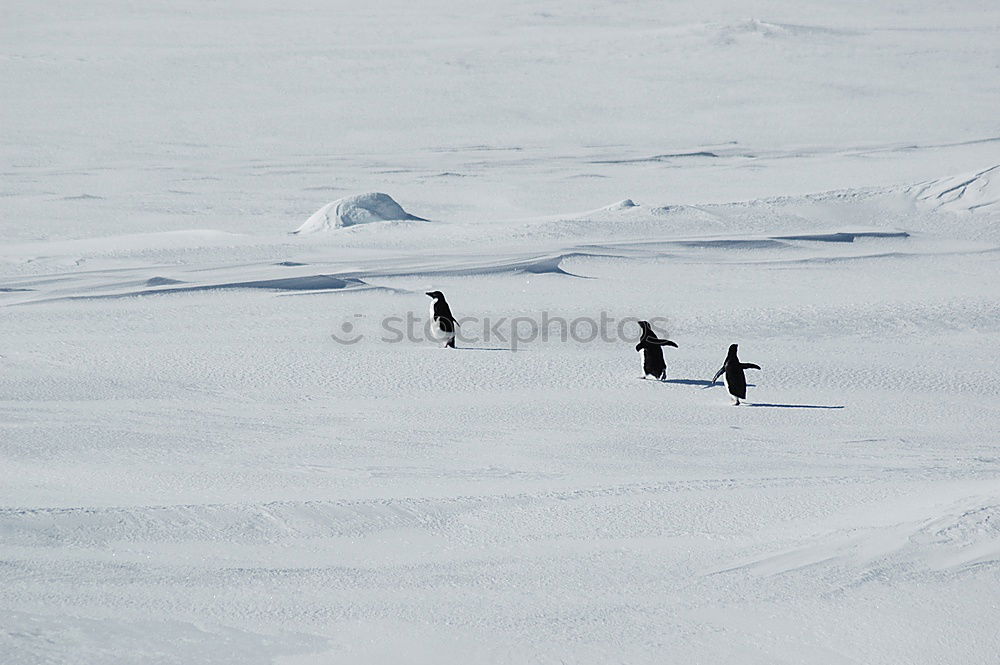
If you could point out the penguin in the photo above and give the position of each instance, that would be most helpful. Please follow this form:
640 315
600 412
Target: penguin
442 321
735 379
652 355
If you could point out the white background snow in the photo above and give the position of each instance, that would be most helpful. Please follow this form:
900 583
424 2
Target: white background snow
192 470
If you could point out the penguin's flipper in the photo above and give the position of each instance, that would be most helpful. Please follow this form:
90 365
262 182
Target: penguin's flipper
661 342
749 366
718 374
638 347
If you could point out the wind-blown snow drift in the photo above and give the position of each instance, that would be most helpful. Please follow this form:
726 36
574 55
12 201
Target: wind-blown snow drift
358 209
967 192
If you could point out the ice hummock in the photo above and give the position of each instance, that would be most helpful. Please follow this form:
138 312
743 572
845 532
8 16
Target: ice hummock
358 209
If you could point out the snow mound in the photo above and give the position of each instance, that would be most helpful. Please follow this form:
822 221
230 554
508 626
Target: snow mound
358 209
622 205
758 27
766 29
962 193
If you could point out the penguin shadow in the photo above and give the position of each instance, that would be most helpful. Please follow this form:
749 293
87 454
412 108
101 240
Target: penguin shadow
700 382
794 406
690 382
710 384
483 348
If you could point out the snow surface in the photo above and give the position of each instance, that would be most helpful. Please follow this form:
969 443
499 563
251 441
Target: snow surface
195 471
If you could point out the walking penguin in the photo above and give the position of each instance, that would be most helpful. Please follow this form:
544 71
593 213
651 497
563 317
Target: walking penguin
442 322
653 364
735 379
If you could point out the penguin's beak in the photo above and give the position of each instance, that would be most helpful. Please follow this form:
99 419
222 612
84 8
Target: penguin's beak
429 294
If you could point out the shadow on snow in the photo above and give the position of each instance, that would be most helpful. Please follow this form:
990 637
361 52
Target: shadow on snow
795 406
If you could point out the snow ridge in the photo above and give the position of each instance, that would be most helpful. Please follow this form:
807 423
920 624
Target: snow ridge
962 193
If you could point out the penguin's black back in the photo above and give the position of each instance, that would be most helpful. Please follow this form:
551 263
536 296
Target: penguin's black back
736 379
652 360
441 309
652 353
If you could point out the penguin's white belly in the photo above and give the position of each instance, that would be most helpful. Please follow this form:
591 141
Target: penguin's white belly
435 327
